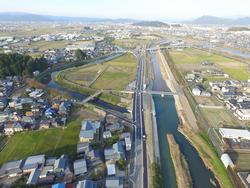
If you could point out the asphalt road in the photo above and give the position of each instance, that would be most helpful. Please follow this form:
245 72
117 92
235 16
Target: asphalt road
139 176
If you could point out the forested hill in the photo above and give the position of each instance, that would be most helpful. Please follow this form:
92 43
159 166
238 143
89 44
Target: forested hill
20 65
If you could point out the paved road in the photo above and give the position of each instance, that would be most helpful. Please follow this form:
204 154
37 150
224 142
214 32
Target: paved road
139 175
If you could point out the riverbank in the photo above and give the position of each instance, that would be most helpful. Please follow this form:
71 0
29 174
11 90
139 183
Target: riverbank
183 177
208 154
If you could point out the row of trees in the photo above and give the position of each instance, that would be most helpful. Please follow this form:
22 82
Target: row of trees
20 65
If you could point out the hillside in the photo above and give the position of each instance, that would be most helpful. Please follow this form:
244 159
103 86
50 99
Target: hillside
222 21
151 24
28 17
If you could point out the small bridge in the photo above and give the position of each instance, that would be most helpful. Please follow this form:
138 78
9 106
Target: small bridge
91 97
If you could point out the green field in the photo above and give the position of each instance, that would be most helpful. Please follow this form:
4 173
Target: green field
52 142
119 74
235 69
239 72
194 56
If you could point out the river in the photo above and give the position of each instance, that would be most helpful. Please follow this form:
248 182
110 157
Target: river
167 122
236 52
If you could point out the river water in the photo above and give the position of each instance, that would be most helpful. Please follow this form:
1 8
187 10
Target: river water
167 122
236 52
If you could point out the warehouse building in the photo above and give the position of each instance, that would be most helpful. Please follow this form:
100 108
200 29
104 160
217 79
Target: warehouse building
235 133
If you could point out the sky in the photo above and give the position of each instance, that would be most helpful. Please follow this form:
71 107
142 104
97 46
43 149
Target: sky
138 9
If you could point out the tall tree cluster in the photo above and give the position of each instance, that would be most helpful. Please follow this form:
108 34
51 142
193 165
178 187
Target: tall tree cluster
20 65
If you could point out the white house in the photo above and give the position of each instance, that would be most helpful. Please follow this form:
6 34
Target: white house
226 160
234 133
196 91
243 114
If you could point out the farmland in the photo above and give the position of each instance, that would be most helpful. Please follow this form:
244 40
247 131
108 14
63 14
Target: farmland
119 74
114 75
190 59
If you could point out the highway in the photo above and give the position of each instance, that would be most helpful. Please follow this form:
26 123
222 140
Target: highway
139 175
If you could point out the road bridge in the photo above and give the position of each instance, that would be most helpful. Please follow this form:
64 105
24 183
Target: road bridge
167 47
144 91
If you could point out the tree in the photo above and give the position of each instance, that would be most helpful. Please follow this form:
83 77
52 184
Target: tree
121 164
80 55
20 65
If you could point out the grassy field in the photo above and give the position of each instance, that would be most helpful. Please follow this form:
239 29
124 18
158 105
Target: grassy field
195 57
119 74
220 116
52 142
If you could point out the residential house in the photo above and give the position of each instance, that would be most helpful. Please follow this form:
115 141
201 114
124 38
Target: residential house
196 91
46 171
64 108
18 127
114 127
44 124
116 152
83 148
114 182
95 157
60 164
27 119
33 162
9 128
106 134
33 177
3 103
50 113
4 116
88 130
11 169
37 93
243 114
59 185
86 184
111 170
80 167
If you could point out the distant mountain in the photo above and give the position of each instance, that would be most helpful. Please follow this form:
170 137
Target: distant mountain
243 21
151 24
217 20
27 17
